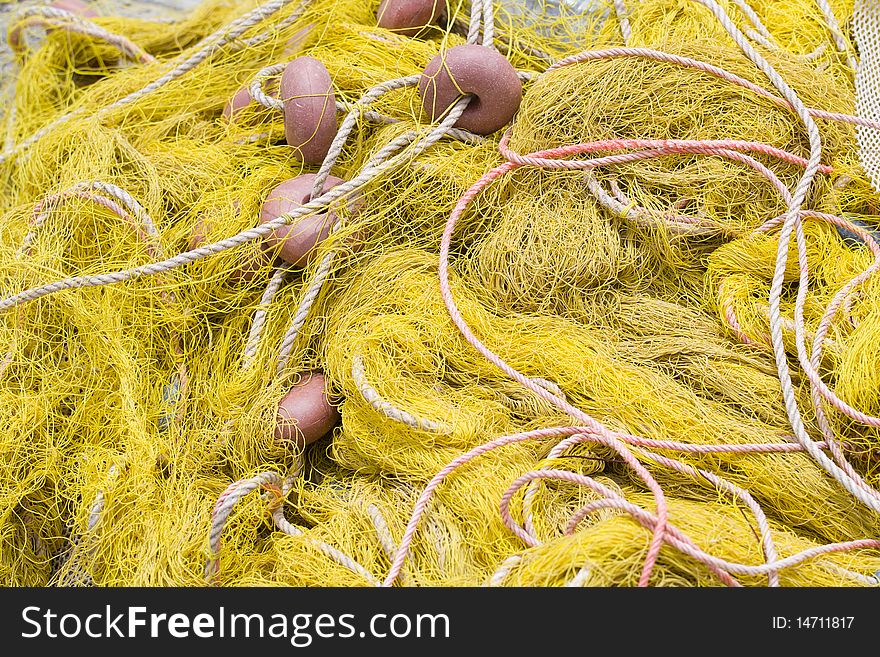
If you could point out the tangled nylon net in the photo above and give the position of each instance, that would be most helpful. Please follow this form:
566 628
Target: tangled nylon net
629 339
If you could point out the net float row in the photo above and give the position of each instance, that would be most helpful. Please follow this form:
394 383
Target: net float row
309 102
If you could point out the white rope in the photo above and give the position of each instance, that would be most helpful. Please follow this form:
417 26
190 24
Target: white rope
755 20
498 577
336 555
250 350
140 215
374 399
239 489
760 39
386 540
259 95
77 571
549 386
792 222
376 166
439 542
643 217
210 45
382 161
580 578
837 34
866 580
335 150
255 88
488 19
474 25
285 22
75 23
623 20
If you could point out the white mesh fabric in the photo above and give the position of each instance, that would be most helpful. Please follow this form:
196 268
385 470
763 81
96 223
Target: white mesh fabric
866 31
543 16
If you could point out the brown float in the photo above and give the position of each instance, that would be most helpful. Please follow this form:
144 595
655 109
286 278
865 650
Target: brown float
483 72
305 414
309 108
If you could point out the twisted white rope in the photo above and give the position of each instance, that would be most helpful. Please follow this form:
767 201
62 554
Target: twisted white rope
379 163
336 555
374 399
488 20
643 216
623 20
210 45
75 23
549 386
474 23
439 542
755 20
77 573
837 34
503 570
223 508
867 580
334 151
376 166
271 481
528 534
255 88
359 108
284 22
792 221
141 216
580 578
348 124
386 540
259 320
383 532
325 266
760 39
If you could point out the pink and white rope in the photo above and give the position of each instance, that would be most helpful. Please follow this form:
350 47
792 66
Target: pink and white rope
661 531
672 535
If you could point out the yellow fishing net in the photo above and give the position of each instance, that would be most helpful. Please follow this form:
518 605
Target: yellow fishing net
137 412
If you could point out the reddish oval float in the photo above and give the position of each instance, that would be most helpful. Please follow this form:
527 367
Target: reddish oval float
305 414
309 108
476 70
297 241
408 17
